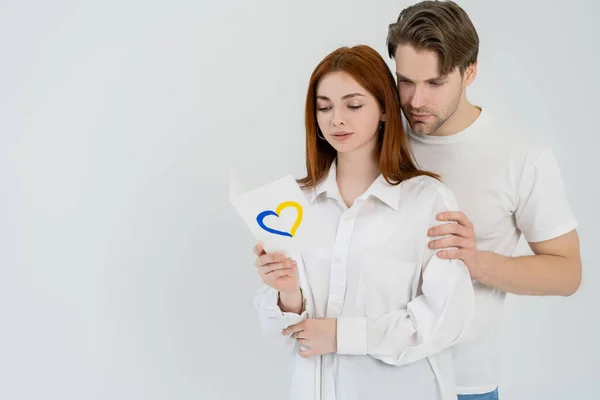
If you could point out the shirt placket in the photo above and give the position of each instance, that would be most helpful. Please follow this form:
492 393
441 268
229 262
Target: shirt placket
337 289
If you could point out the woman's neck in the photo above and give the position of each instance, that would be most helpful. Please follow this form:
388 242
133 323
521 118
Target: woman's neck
355 173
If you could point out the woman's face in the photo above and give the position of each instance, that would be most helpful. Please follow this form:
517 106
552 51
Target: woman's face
347 114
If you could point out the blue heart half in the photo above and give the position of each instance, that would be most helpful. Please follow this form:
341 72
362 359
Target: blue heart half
260 217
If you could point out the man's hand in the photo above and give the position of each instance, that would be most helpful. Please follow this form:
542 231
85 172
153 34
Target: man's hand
318 335
463 239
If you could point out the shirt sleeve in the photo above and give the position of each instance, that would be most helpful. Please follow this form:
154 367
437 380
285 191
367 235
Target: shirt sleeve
543 211
433 321
272 319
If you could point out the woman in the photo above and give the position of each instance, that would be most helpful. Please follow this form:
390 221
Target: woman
372 312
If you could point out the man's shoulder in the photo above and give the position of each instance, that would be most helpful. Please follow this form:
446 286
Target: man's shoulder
512 143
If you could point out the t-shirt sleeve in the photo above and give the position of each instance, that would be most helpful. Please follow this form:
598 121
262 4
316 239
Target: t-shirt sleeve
543 212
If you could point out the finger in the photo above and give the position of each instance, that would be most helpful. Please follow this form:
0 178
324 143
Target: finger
299 335
293 329
452 254
278 273
267 269
452 241
306 353
269 258
457 216
450 229
281 274
259 249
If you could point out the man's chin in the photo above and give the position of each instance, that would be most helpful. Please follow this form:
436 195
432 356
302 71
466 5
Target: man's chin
420 129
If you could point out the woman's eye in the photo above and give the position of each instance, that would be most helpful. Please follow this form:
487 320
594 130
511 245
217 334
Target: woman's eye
355 107
323 109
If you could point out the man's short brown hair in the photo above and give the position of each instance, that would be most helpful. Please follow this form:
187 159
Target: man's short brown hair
439 26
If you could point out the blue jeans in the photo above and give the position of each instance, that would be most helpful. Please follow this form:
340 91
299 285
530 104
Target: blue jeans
484 396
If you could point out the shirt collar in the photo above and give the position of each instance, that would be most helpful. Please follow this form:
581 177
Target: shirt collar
387 193
380 188
327 185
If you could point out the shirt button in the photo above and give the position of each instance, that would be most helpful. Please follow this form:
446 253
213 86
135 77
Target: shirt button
348 217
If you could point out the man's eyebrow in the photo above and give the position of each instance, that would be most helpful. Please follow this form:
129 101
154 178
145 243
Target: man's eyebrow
402 77
436 79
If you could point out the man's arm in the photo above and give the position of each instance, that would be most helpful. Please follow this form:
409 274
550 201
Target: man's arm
555 269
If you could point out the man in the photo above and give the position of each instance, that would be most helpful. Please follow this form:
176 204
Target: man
504 185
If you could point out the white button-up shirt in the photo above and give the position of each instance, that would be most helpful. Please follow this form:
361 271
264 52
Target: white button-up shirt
398 306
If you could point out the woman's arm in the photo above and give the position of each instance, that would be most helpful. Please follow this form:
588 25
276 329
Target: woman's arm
430 323
272 319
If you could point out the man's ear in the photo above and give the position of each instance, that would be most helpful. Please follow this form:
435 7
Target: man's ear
470 74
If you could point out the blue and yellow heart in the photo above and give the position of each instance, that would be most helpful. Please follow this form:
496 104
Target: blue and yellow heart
277 213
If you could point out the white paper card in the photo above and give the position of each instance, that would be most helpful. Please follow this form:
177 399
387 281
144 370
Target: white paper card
277 214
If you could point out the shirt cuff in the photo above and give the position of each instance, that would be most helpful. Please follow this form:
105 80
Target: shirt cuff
270 301
352 335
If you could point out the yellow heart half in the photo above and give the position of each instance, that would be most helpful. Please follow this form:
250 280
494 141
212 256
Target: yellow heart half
298 208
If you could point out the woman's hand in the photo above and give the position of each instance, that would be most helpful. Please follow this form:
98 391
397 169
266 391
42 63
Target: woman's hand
319 336
280 273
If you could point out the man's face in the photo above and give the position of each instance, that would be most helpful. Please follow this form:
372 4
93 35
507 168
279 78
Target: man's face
428 100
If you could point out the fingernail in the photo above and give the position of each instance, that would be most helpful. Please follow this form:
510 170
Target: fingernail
431 245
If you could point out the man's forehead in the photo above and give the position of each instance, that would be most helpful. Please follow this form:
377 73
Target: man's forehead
423 54
417 64
421 70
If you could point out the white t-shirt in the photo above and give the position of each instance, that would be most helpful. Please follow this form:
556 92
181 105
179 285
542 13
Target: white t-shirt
506 185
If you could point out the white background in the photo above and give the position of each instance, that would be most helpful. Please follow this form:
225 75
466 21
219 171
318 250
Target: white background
125 273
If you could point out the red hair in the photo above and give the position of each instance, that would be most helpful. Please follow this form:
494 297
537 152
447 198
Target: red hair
369 69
